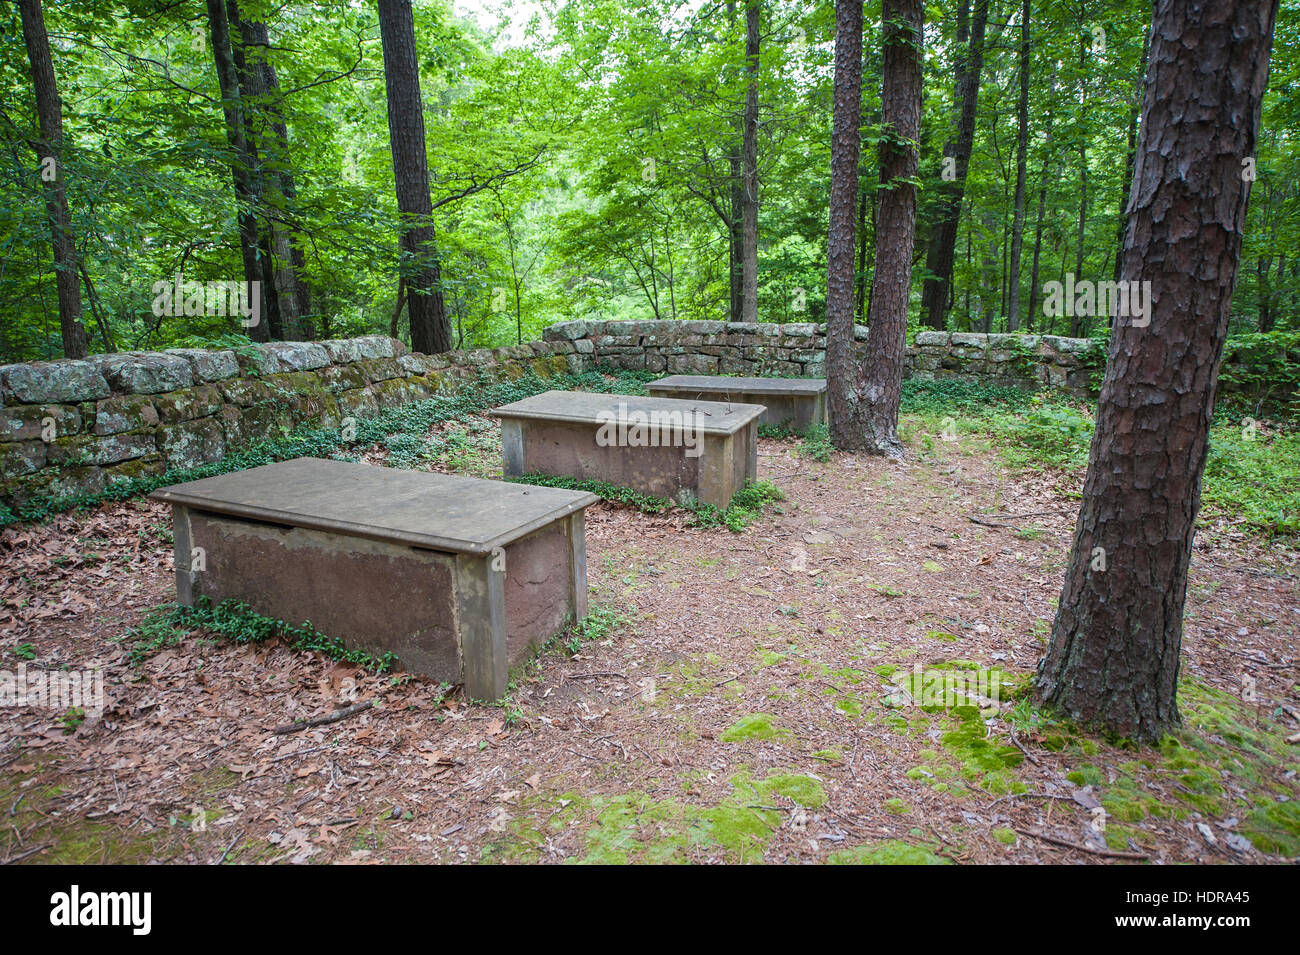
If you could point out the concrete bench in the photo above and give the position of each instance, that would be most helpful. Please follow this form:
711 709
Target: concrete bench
705 450
797 403
458 577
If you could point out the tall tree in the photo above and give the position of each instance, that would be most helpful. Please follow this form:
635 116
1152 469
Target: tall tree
242 163
1042 206
269 139
49 113
1022 150
1130 158
841 238
749 167
430 329
872 406
943 239
1113 659
735 225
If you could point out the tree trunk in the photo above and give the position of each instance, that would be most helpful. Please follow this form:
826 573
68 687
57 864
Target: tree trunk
873 404
735 230
863 240
1022 150
943 241
1130 157
430 329
841 236
1113 659
1080 324
283 323
241 163
279 189
1263 292
749 172
1032 314
49 149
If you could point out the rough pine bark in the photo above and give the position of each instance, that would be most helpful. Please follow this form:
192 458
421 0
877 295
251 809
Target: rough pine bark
1113 660
841 239
1022 150
749 169
241 163
873 404
1130 157
279 190
943 241
49 114
430 329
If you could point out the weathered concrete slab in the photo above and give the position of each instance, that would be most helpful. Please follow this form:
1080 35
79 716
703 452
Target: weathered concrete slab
460 578
797 403
711 417
664 447
444 512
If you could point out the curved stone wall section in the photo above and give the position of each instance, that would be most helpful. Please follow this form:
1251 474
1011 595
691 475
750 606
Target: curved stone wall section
1029 362
76 426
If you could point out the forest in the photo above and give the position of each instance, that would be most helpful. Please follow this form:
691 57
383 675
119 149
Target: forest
979 319
584 159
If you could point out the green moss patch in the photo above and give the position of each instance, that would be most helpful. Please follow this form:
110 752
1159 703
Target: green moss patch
886 852
755 726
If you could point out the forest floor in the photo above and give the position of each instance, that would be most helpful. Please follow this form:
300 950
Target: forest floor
734 697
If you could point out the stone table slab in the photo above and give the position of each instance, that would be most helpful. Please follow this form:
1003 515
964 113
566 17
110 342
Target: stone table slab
663 447
799 403
438 511
709 417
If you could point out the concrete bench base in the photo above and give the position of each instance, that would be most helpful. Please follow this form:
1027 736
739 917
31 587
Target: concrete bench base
795 403
457 577
708 458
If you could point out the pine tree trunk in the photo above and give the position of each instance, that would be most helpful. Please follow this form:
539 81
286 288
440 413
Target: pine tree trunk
943 241
1113 660
241 163
1130 158
749 171
841 237
735 230
430 329
873 404
279 190
1032 313
48 147
1022 150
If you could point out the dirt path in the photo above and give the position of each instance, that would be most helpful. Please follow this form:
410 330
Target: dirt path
745 704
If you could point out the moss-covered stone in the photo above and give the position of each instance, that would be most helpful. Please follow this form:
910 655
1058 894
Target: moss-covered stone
188 444
124 413
38 422
22 457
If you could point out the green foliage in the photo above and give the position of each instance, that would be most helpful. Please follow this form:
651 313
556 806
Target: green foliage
600 623
1252 476
948 396
232 620
1251 473
817 443
1051 435
1261 370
